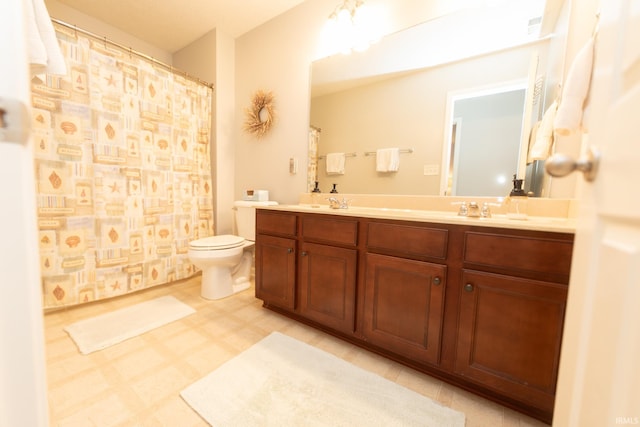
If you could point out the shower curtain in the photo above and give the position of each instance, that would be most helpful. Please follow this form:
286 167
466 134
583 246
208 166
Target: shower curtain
123 172
312 167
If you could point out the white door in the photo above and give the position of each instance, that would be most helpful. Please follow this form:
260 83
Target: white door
23 400
599 380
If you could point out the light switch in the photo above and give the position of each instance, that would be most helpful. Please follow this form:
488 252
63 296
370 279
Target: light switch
293 165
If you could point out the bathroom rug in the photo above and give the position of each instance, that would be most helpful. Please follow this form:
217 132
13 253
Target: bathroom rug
281 381
107 329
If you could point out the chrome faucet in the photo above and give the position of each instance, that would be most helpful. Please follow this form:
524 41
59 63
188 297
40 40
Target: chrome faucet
473 210
470 209
464 209
335 203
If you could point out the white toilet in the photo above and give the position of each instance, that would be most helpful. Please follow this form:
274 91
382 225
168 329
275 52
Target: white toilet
226 260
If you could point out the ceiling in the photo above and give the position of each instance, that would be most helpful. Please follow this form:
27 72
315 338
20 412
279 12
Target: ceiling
172 24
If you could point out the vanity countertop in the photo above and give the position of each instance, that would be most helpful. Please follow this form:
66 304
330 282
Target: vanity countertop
536 223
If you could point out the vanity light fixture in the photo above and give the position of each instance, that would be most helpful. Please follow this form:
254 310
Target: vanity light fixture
349 28
346 10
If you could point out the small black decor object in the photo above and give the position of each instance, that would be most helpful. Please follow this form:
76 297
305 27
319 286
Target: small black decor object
517 187
334 190
316 189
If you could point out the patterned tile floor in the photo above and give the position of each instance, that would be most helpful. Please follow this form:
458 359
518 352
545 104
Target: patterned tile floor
137 382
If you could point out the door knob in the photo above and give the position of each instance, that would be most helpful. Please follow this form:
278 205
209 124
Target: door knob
14 121
560 165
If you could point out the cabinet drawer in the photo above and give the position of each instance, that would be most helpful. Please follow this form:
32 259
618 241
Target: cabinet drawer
408 240
328 229
519 253
280 223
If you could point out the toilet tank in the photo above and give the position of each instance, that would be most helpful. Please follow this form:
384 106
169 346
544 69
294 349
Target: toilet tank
245 217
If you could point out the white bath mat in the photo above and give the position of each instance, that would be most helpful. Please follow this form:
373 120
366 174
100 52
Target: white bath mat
284 382
111 328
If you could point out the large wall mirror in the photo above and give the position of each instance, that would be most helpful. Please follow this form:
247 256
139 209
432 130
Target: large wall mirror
417 91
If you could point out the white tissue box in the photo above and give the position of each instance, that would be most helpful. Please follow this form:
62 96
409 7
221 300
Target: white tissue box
256 195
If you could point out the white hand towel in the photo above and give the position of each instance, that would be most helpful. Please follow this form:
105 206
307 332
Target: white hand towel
44 51
543 141
576 87
335 163
387 159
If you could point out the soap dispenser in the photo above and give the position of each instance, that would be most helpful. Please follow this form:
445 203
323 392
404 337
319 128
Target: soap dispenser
517 200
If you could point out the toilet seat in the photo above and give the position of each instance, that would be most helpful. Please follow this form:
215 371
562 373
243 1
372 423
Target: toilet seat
216 243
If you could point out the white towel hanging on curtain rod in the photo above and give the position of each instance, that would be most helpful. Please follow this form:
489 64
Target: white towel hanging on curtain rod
45 55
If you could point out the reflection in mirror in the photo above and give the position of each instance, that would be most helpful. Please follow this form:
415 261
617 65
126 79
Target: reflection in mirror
405 110
396 105
485 135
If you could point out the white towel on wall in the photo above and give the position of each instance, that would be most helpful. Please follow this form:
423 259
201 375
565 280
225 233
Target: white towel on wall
576 87
541 148
44 51
335 163
387 159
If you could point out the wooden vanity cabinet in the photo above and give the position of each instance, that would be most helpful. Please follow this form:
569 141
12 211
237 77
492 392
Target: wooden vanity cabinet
403 306
275 262
509 335
403 293
307 265
511 321
328 270
479 307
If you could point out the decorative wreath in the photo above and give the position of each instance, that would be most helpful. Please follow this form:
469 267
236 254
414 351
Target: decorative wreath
261 115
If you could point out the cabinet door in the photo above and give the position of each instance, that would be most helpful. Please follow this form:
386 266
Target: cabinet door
509 336
328 285
403 306
276 270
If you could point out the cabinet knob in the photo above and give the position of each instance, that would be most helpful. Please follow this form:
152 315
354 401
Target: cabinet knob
289 250
437 281
304 253
468 287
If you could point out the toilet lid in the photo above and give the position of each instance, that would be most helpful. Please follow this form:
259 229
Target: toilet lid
223 241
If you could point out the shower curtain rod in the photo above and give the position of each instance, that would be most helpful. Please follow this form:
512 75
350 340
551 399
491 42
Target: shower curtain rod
133 52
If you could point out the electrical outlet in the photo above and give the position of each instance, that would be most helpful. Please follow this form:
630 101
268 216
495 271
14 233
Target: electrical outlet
432 169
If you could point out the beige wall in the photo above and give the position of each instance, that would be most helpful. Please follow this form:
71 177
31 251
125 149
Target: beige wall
276 57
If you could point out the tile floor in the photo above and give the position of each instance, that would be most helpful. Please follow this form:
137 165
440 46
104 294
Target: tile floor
137 382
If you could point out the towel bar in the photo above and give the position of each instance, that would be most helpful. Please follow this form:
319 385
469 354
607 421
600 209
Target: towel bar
345 154
402 150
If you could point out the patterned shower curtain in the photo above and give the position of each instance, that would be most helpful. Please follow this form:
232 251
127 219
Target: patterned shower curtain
123 172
